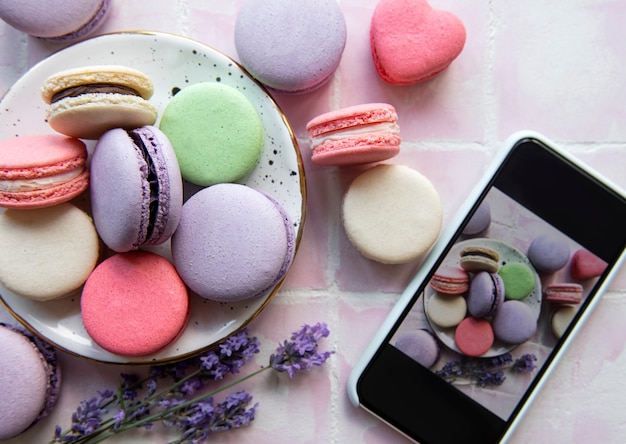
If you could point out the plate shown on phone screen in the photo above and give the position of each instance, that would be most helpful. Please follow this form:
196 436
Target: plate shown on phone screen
172 62
508 255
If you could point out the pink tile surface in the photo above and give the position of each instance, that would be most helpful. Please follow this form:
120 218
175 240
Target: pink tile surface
554 67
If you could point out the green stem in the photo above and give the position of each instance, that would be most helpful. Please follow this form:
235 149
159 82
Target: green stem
163 413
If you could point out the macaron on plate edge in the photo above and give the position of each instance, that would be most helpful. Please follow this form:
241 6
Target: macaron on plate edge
508 254
280 173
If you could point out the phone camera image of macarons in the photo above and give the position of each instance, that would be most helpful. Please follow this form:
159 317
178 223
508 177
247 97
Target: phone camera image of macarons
56 21
291 47
392 214
486 294
564 293
548 253
519 280
514 323
585 265
420 345
41 170
216 132
30 380
233 243
476 258
134 304
136 188
446 310
450 280
474 337
88 101
355 135
480 221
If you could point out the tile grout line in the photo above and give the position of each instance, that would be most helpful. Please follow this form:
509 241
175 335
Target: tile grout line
491 104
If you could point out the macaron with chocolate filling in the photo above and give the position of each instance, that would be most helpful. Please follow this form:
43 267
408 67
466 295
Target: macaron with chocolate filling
86 102
476 258
136 188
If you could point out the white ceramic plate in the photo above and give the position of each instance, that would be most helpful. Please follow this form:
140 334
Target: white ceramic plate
173 63
508 255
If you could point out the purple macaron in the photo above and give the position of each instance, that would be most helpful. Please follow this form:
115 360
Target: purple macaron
480 221
30 380
515 322
486 294
136 188
233 243
290 46
420 345
58 21
548 253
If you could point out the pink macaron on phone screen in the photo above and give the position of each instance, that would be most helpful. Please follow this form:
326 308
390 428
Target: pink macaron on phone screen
526 262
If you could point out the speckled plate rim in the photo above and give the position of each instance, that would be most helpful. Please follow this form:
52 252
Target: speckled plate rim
233 325
508 254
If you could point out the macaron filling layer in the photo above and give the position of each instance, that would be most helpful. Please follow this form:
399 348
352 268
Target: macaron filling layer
386 128
152 179
105 88
21 185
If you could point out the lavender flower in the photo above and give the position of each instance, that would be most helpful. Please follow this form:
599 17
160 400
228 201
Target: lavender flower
524 364
301 352
176 407
485 372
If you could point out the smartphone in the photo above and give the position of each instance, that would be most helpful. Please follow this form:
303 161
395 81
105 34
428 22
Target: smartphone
464 351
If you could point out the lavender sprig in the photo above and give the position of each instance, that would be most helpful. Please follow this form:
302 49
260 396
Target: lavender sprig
485 372
185 405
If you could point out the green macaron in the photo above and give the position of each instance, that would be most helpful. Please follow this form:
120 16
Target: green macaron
215 131
518 279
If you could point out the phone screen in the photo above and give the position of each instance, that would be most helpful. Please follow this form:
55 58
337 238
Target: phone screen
496 308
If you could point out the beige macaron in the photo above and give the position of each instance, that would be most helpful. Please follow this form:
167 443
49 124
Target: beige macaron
392 213
47 253
85 102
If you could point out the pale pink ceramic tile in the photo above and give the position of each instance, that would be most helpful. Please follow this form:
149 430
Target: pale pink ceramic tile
558 65
301 108
157 15
213 23
449 106
309 269
363 315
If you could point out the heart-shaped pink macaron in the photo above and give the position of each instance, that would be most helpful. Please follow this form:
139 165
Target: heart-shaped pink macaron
412 42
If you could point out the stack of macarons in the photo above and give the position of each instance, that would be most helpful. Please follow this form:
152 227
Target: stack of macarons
131 192
481 301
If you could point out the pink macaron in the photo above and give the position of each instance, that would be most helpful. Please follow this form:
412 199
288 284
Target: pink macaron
474 337
586 265
564 293
355 135
412 42
450 280
41 170
134 304
59 21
